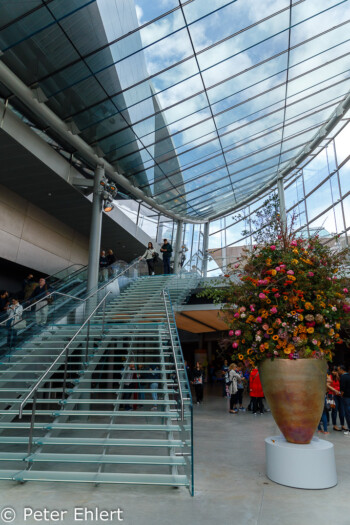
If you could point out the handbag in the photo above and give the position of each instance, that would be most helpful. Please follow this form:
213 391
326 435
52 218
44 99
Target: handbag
330 403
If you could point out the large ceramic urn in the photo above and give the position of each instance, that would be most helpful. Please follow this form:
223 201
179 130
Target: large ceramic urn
295 391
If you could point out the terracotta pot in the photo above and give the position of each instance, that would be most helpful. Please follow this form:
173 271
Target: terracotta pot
295 391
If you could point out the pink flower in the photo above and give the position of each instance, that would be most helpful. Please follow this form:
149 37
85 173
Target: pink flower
291 356
328 278
284 324
311 274
237 265
275 352
290 272
278 321
262 296
262 282
345 290
265 326
242 308
314 342
231 332
278 268
346 308
238 333
272 247
282 266
235 345
259 319
294 243
273 310
236 315
334 308
252 309
277 295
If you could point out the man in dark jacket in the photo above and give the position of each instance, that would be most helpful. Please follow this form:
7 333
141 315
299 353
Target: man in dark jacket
345 393
166 249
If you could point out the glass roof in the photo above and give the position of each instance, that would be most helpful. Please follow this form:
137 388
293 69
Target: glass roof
198 103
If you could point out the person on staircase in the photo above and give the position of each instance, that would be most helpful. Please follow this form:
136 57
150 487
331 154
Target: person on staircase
111 259
166 250
103 267
42 306
14 312
149 255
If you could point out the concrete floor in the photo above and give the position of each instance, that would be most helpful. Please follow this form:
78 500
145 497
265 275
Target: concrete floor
230 481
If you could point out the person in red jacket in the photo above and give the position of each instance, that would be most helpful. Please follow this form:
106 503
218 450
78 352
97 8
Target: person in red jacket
256 391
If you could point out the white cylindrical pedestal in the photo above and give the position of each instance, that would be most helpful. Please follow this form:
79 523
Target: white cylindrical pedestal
309 466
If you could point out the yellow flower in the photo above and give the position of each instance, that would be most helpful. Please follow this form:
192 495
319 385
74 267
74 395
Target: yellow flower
295 261
268 262
308 306
266 345
310 330
337 325
300 317
273 272
287 350
292 278
331 332
295 251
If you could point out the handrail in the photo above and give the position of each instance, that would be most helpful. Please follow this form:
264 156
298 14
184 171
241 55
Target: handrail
63 269
36 386
165 293
45 297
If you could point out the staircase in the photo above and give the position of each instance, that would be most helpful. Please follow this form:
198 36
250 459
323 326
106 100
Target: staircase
121 412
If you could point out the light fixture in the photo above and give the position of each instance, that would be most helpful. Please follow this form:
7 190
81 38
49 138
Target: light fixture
109 193
108 205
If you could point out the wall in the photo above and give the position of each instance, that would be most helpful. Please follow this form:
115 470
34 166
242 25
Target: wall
33 238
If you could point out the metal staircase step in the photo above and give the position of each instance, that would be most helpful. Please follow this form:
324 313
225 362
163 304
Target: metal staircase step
92 426
98 442
102 477
98 458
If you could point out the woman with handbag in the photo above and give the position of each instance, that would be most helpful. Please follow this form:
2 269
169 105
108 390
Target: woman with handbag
150 256
14 312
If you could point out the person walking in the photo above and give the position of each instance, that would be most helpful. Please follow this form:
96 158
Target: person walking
344 384
42 306
14 312
197 381
167 250
324 418
256 391
149 255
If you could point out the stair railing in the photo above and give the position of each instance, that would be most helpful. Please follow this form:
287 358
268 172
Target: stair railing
34 391
165 294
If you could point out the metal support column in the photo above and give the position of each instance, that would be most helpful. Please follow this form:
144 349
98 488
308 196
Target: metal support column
95 230
205 249
282 202
177 247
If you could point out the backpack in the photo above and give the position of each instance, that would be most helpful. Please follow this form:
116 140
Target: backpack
228 381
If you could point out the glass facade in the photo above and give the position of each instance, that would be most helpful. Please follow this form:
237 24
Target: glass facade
199 104
317 193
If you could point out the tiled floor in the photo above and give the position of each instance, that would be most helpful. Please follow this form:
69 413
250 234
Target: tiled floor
231 486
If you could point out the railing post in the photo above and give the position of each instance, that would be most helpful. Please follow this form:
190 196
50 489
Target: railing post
103 318
32 421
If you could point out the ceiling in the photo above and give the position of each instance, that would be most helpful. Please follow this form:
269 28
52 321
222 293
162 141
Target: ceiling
200 104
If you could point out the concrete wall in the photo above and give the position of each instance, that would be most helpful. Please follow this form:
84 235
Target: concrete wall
33 238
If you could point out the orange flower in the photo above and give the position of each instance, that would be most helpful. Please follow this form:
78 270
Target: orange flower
293 312
241 357
308 306
270 331
249 351
275 337
310 330
287 350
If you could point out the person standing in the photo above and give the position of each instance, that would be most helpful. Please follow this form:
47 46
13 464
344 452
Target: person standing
166 249
256 391
149 256
233 378
103 266
333 386
197 381
41 307
183 255
111 259
240 388
224 374
14 311
344 385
